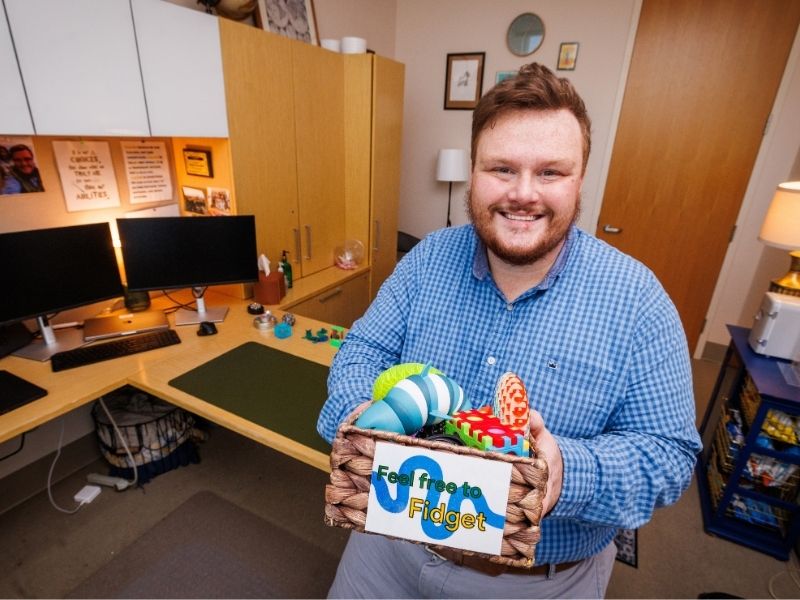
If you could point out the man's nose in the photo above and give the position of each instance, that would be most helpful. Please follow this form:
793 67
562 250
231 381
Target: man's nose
524 188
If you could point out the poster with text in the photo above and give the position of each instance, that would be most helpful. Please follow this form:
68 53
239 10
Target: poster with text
438 497
147 169
87 175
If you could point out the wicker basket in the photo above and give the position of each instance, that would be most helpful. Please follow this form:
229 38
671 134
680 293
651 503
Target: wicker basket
351 467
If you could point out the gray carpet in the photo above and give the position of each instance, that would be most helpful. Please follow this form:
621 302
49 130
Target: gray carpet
210 548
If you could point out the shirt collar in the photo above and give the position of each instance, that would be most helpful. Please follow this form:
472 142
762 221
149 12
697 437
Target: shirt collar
480 261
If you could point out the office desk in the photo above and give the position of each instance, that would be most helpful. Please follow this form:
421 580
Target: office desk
151 371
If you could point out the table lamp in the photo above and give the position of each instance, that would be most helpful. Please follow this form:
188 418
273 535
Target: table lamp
781 229
453 165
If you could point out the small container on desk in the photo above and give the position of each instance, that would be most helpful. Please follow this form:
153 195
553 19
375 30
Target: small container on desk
749 470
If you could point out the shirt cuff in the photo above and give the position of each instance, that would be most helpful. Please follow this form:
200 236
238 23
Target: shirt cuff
579 478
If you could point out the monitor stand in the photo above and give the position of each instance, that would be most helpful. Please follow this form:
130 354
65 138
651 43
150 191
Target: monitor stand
192 317
43 348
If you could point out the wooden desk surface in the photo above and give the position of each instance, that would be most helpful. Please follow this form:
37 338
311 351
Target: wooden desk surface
152 370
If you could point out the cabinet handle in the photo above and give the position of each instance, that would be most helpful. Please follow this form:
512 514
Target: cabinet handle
308 242
377 243
329 295
296 245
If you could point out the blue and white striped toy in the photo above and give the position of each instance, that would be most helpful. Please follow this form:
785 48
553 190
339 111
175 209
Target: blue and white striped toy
414 402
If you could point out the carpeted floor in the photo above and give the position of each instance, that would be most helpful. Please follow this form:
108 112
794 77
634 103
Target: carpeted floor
210 548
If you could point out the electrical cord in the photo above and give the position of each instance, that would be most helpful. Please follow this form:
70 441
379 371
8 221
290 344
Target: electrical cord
21 446
178 304
792 571
50 477
122 440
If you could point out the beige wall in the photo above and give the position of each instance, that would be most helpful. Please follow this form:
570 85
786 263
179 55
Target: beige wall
428 31
373 20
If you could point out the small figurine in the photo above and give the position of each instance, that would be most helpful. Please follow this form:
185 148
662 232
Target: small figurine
288 318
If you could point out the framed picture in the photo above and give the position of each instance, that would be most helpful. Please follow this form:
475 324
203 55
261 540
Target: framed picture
464 80
219 202
194 200
567 56
503 75
294 19
197 161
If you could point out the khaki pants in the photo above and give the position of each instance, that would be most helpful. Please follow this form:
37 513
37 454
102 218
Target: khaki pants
373 566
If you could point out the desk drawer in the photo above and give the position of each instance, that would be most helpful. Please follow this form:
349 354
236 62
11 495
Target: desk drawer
339 305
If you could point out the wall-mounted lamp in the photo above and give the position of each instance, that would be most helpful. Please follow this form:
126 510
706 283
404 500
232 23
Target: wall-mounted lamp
453 165
781 229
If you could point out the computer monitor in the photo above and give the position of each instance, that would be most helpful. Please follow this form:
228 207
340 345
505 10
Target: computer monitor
162 253
45 271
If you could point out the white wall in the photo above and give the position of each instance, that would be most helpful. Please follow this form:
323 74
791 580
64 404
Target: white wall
373 20
749 265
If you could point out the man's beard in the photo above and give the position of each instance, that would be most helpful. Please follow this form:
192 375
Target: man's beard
555 234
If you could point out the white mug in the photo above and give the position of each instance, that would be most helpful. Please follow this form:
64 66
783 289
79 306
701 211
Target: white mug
354 45
330 44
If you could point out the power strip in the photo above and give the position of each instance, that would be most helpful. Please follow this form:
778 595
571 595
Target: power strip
87 494
116 482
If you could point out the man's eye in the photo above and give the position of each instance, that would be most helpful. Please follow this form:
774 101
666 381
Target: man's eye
550 173
502 170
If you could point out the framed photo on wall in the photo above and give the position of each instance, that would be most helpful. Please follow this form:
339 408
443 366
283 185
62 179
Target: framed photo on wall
567 56
294 19
464 80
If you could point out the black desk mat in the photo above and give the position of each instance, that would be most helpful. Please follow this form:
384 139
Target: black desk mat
276 390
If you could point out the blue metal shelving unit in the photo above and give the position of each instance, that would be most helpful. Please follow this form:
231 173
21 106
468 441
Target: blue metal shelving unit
753 384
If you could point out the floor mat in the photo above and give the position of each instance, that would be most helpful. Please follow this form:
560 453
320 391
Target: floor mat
627 542
210 548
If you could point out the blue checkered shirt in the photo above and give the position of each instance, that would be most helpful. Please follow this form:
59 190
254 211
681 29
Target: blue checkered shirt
598 344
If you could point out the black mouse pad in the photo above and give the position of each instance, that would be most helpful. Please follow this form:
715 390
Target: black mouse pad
276 390
15 391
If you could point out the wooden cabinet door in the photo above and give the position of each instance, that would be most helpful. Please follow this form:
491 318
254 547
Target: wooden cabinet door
319 129
181 62
80 66
340 305
257 68
387 133
15 118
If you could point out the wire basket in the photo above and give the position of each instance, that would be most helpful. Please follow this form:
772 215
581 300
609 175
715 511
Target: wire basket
158 435
346 497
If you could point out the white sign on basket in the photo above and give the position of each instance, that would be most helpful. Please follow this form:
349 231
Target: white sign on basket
438 497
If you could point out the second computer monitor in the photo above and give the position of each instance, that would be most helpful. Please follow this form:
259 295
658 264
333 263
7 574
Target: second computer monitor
163 253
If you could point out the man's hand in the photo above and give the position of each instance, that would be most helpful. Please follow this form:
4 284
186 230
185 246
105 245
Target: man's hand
555 464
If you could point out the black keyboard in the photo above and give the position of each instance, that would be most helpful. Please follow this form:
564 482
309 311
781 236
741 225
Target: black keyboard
86 355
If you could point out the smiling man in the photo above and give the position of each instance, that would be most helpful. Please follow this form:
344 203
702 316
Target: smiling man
589 330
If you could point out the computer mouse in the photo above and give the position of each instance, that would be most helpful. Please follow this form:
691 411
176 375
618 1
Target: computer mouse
207 328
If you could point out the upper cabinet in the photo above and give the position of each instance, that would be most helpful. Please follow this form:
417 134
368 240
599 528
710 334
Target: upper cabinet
181 63
15 118
80 66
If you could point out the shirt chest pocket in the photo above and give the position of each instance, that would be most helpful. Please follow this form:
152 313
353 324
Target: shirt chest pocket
574 397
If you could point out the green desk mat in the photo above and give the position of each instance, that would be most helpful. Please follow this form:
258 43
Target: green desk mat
276 390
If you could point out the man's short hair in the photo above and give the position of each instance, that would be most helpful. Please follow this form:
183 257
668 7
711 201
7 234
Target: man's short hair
535 87
19 148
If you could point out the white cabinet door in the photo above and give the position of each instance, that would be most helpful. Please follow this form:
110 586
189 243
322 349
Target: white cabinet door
15 118
80 66
181 64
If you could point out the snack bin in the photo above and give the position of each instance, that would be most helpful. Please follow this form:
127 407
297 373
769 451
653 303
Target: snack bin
346 496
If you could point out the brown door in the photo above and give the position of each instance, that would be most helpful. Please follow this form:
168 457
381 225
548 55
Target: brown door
702 81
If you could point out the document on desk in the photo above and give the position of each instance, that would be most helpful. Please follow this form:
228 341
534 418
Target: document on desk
276 390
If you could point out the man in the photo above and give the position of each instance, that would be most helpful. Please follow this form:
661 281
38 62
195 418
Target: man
590 331
24 175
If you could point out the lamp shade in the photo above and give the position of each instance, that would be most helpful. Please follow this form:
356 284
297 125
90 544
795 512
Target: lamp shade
453 165
781 226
